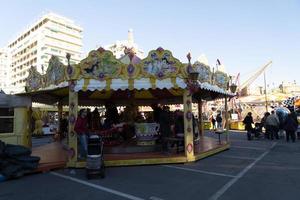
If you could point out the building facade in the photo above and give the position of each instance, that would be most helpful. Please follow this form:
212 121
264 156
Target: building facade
52 34
119 47
4 70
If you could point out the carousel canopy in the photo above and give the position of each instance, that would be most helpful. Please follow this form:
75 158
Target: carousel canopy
102 77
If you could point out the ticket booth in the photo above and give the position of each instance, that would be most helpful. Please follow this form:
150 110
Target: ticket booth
15 120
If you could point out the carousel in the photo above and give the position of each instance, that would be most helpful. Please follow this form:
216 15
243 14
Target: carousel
130 82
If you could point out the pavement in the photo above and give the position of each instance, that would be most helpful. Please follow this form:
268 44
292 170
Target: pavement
257 169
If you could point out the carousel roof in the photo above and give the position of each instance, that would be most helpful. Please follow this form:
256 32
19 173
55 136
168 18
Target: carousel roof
102 76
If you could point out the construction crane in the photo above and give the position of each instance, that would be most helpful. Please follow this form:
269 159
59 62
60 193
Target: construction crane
242 89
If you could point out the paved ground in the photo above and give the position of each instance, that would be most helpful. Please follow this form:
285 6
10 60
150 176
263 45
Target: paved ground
249 170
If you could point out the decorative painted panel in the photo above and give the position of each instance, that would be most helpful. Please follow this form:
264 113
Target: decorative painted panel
34 80
204 72
56 72
220 79
160 64
100 64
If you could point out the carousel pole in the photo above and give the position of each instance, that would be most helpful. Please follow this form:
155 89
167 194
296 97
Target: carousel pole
73 108
226 119
188 126
201 127
188 112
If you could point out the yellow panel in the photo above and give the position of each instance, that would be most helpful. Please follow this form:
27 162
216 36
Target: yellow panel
85 84
151 161
143 161
61 92
143 94
223 147
176 92
101 94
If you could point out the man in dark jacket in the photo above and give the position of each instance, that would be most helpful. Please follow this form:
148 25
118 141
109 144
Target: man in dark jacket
165 128
248 121
290 128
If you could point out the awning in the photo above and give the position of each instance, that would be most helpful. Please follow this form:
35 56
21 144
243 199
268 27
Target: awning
129 84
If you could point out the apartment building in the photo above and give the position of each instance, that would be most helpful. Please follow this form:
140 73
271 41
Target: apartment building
51 34
4 70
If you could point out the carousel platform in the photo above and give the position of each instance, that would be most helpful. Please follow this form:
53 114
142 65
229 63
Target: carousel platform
54 155
206 146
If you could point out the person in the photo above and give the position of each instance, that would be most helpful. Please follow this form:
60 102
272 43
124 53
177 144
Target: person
89 118
81 128
95 121
219 121
179 125
112 116
156 112
63 126
272 124
248 121
213 121
165 128
263 124
295 117
290 128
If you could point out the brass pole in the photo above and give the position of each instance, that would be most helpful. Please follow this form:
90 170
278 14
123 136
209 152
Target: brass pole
226 119
200 126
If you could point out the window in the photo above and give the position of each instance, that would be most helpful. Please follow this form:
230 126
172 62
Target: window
54 50
6 120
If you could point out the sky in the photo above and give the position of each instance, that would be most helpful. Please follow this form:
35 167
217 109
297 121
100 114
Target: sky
243 35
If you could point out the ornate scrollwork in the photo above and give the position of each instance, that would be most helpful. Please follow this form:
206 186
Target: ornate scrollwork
34 80
56 72
221 79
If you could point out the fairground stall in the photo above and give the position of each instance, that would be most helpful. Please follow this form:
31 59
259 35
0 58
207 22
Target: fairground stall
14 119
130 82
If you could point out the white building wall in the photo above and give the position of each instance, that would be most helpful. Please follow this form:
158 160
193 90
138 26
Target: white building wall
50 35
4 70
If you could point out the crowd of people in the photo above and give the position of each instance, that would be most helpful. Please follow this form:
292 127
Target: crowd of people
216 121
274 126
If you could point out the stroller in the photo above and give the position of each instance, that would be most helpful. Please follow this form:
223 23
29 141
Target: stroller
95 161
256 132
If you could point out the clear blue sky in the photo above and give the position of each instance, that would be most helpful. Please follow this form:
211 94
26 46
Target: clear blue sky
241 34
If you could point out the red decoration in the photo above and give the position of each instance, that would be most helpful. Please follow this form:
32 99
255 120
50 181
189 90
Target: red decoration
189 148
189 129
